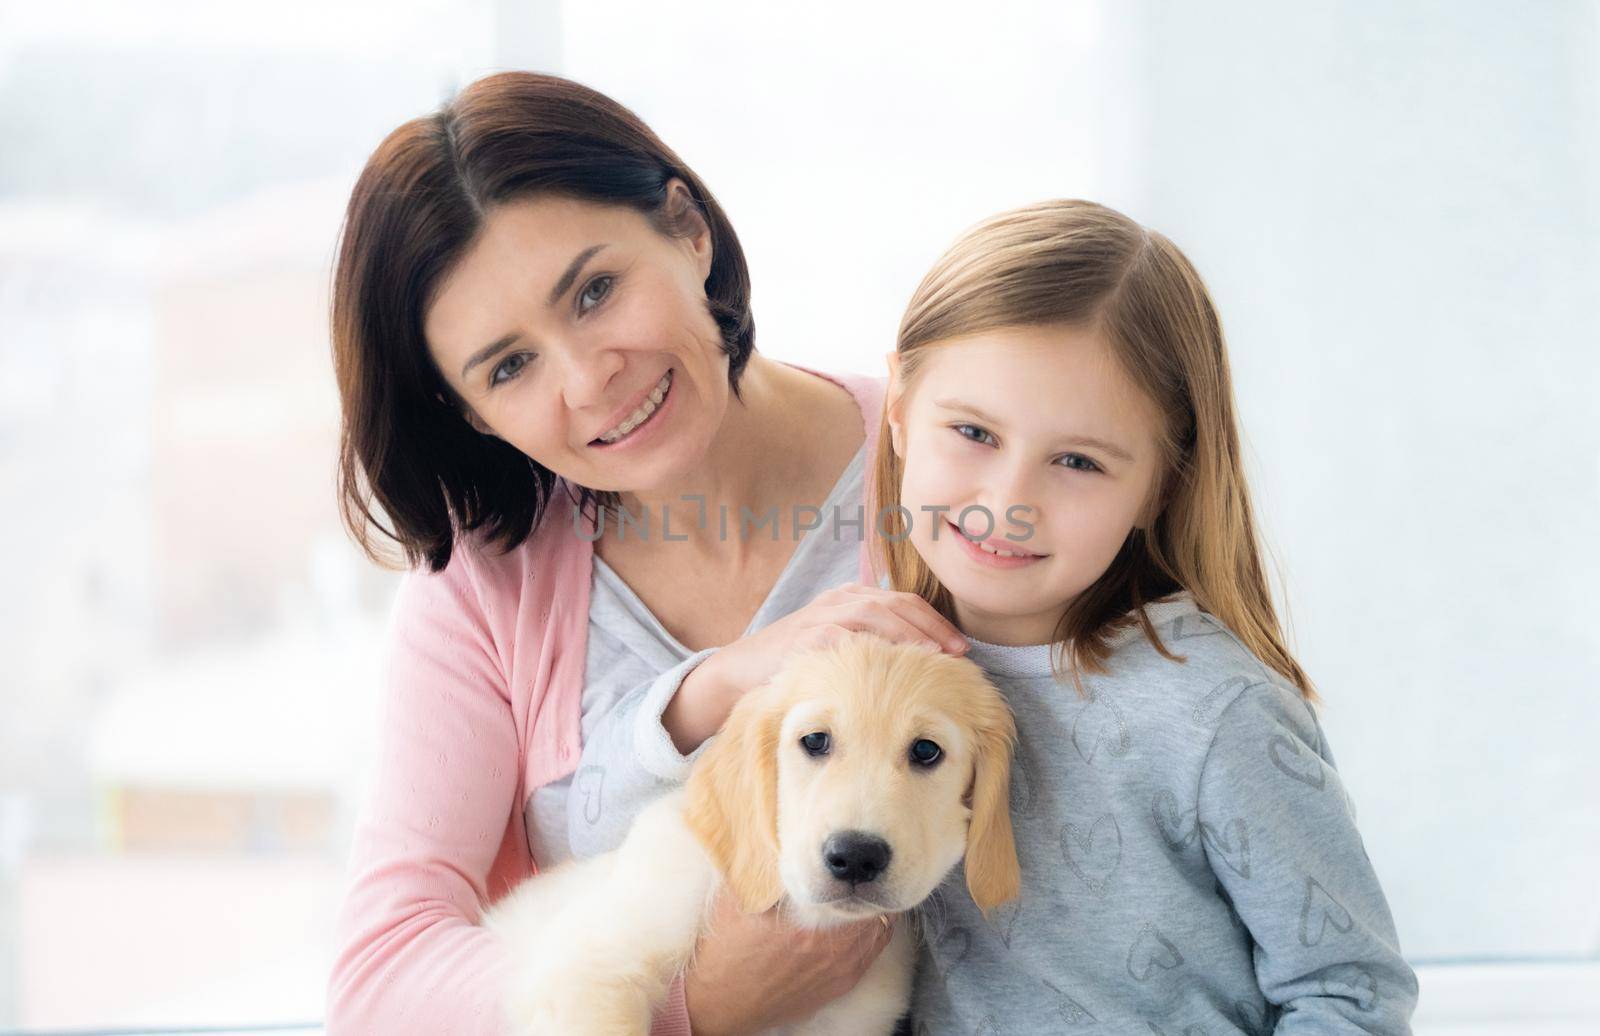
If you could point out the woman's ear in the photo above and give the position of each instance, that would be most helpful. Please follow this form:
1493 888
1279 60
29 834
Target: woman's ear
993 875
689 223
732 805
472 418
467 413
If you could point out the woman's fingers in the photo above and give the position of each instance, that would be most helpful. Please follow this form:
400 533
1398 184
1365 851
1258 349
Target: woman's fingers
887 625
901 612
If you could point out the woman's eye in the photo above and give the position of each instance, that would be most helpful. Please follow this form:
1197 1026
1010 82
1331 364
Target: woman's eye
1088 465
982 435
816 744
594 293
925 752
508 369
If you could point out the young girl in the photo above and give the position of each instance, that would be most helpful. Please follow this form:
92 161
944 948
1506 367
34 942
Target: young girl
1060 475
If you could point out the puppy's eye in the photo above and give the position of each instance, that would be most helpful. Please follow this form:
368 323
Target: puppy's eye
816 744
925 752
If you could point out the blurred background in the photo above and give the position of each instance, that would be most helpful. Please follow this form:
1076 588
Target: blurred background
1397 206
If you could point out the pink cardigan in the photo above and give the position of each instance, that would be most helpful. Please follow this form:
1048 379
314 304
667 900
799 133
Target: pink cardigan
485 672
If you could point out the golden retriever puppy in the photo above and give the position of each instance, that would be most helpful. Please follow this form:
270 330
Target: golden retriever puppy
845 787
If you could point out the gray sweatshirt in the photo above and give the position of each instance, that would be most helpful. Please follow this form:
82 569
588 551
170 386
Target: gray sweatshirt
1140 817
1190 860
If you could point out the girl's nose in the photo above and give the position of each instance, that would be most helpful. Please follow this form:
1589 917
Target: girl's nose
1010 486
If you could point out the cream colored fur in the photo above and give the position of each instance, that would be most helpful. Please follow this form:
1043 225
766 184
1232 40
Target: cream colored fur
595 943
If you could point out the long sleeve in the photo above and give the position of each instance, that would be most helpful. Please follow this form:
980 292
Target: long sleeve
1281 838
628 761
411 957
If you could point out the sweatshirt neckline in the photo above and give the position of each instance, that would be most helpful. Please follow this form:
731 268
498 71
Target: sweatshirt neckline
1033 660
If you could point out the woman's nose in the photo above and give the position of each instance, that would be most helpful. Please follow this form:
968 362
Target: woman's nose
587 375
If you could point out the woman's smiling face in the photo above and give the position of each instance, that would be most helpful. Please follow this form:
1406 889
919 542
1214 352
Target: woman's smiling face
566 321
1034 426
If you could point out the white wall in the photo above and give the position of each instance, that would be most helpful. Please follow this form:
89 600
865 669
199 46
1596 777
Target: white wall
1395 206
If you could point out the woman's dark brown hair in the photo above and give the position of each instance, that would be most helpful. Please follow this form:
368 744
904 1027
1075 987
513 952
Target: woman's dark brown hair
405 447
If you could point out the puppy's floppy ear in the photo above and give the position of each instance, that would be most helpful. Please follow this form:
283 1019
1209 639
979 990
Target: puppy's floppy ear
993 876
732 803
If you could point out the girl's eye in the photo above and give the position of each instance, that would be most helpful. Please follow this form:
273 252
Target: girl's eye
981 433
816 744
1086 466
508 369
594 293
1091 465
925 752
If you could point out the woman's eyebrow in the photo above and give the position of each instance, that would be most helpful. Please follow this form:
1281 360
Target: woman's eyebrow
1074 440
488 352
573 269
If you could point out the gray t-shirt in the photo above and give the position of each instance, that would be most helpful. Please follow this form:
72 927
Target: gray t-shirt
634 667
1190 859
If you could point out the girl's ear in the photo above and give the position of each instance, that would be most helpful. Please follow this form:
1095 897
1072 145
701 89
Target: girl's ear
1155 503
732 805
893 406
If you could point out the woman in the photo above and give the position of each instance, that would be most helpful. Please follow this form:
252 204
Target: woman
540 320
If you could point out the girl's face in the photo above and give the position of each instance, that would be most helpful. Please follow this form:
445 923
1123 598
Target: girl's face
563 320
1034 426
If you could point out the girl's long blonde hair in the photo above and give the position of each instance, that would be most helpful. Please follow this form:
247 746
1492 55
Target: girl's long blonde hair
1084 265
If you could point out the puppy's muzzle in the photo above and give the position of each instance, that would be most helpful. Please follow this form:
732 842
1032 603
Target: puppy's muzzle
855 856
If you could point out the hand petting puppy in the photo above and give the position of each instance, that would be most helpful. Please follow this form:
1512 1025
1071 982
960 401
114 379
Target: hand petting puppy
844 789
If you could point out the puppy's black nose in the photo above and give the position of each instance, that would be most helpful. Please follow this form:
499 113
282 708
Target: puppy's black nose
856 856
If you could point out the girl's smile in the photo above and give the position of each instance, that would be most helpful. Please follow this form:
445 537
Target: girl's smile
1040 427
990 552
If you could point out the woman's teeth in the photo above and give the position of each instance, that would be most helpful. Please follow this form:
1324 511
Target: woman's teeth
639 416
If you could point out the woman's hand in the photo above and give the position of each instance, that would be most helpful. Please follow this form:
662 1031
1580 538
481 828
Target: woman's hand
754 971
709 691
